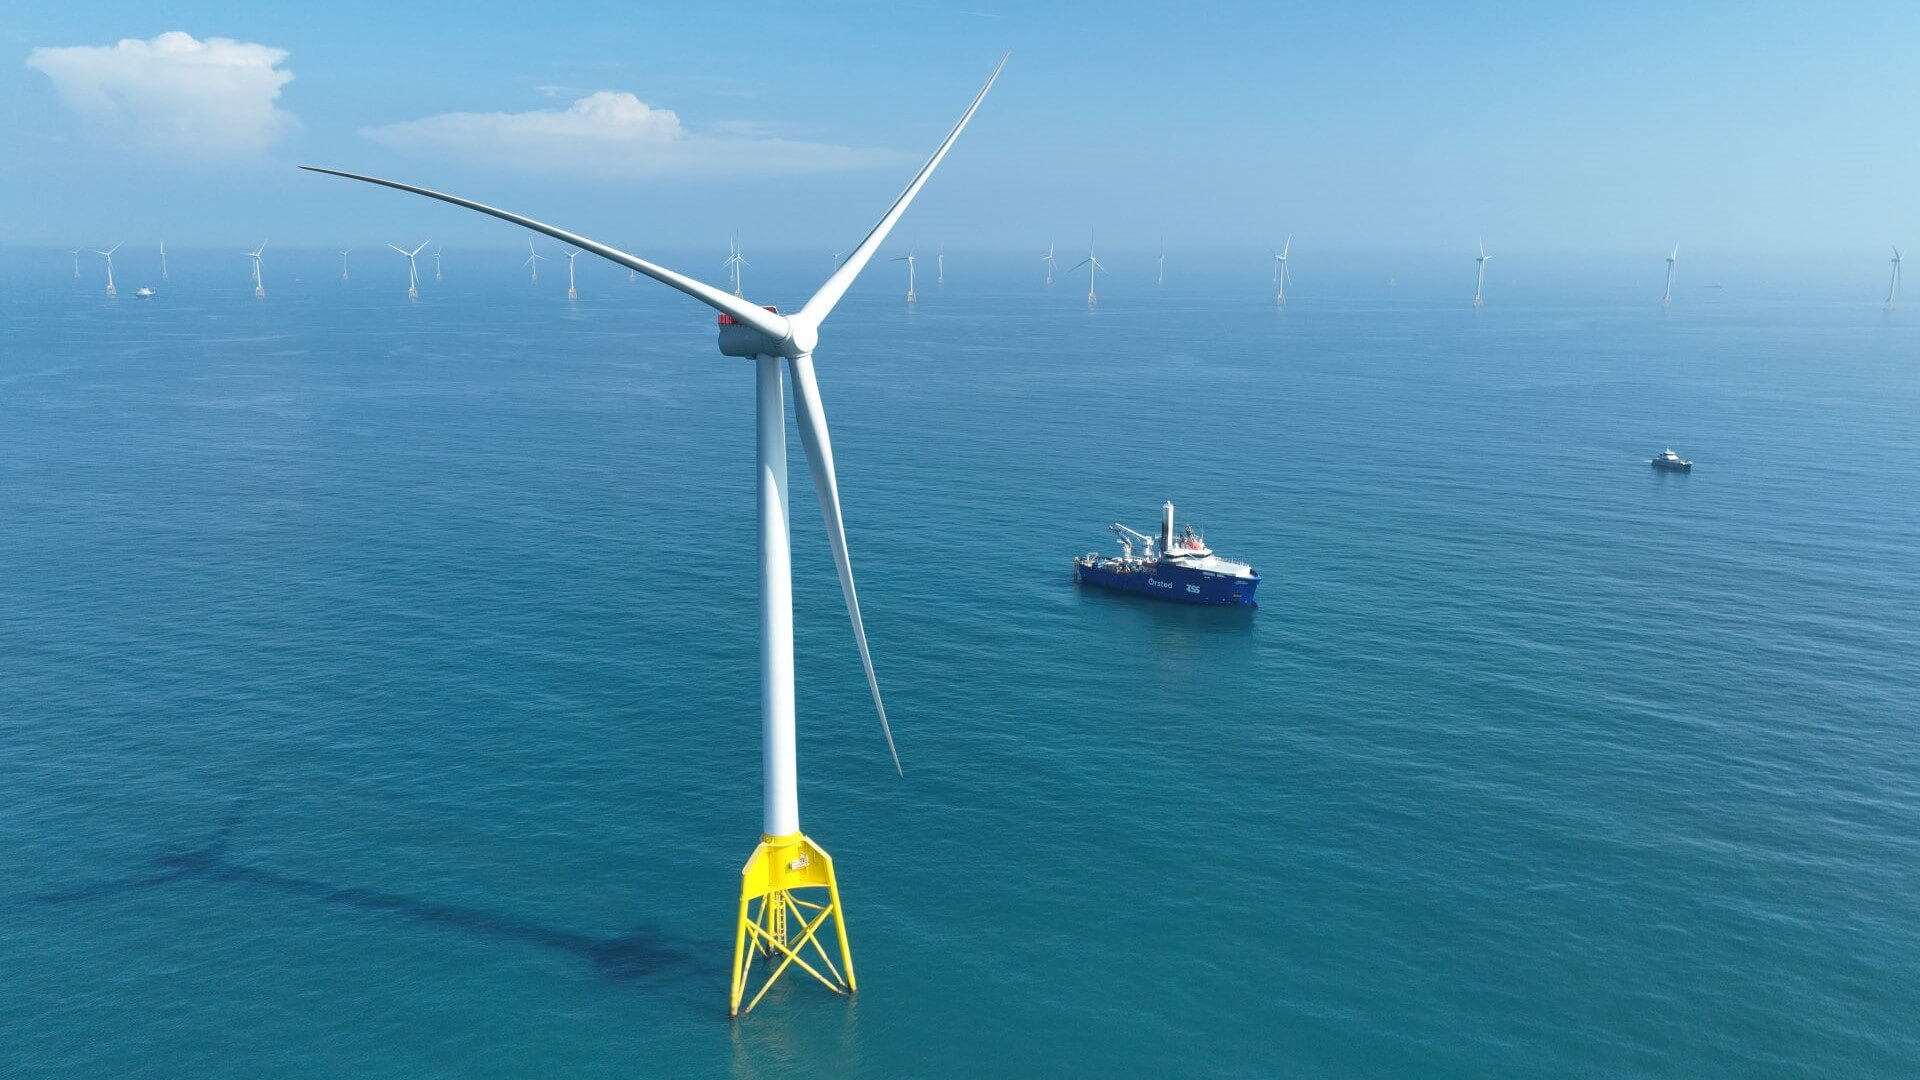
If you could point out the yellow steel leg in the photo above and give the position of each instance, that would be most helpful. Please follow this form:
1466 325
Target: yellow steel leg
782 924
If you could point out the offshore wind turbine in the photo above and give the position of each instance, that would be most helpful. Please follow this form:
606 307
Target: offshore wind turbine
908 259
572 293
1048 259
75 252
772 919
940 266
259 285
534 259
436 266
1893 287
1480 272
1160 267
413 270
108 255
1281 275
1092 263
1666 298
735 261
163 260
343 264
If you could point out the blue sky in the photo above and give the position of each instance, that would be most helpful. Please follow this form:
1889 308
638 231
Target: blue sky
1607 127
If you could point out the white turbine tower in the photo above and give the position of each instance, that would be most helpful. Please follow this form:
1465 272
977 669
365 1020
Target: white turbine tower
436 266
908 259
1666 298
1480 272
1048 259
776 923
259 284
735 262
163 260
108 255
1092 263
1893 287
940 266
343 264
534 259
1282 275
572 293
413 269
1160 267
75 252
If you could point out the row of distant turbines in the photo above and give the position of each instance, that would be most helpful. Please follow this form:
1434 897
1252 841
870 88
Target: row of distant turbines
736 261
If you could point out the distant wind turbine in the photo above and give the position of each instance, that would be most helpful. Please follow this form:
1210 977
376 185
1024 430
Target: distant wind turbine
940 266
1160 267
836 259
908 259
783 912
436 265
163 260
1092 263
75 252
735 261
1282 275
108 255
1480 272
534 259
1048 259
343 265
572 293
259 282
413 269
1666 298
1893 287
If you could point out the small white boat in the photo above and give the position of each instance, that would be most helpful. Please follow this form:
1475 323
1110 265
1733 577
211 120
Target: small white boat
1672 462
143 292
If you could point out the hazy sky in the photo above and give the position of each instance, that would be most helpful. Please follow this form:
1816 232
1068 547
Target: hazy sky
1619 126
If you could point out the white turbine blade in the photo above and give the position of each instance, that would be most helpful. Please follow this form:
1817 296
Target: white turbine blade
1078 265
1287 247
821 304
759 318
811 418
418 250
398 248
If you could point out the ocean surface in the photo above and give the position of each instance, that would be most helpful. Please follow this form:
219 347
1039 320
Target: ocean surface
377 679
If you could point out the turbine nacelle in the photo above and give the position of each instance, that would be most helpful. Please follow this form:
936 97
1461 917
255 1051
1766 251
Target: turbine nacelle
799 338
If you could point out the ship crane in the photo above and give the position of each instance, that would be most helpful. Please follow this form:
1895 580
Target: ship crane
1129 538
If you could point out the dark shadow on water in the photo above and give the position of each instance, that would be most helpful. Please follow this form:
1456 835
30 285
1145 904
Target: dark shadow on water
640 954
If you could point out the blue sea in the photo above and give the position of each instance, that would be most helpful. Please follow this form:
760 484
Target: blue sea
377 679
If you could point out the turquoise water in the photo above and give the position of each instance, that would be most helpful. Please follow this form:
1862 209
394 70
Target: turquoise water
379 680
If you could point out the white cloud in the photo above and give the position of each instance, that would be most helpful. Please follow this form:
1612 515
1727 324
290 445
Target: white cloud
614 133
213 97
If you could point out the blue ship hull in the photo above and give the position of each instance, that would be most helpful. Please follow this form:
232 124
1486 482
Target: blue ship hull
1170 581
